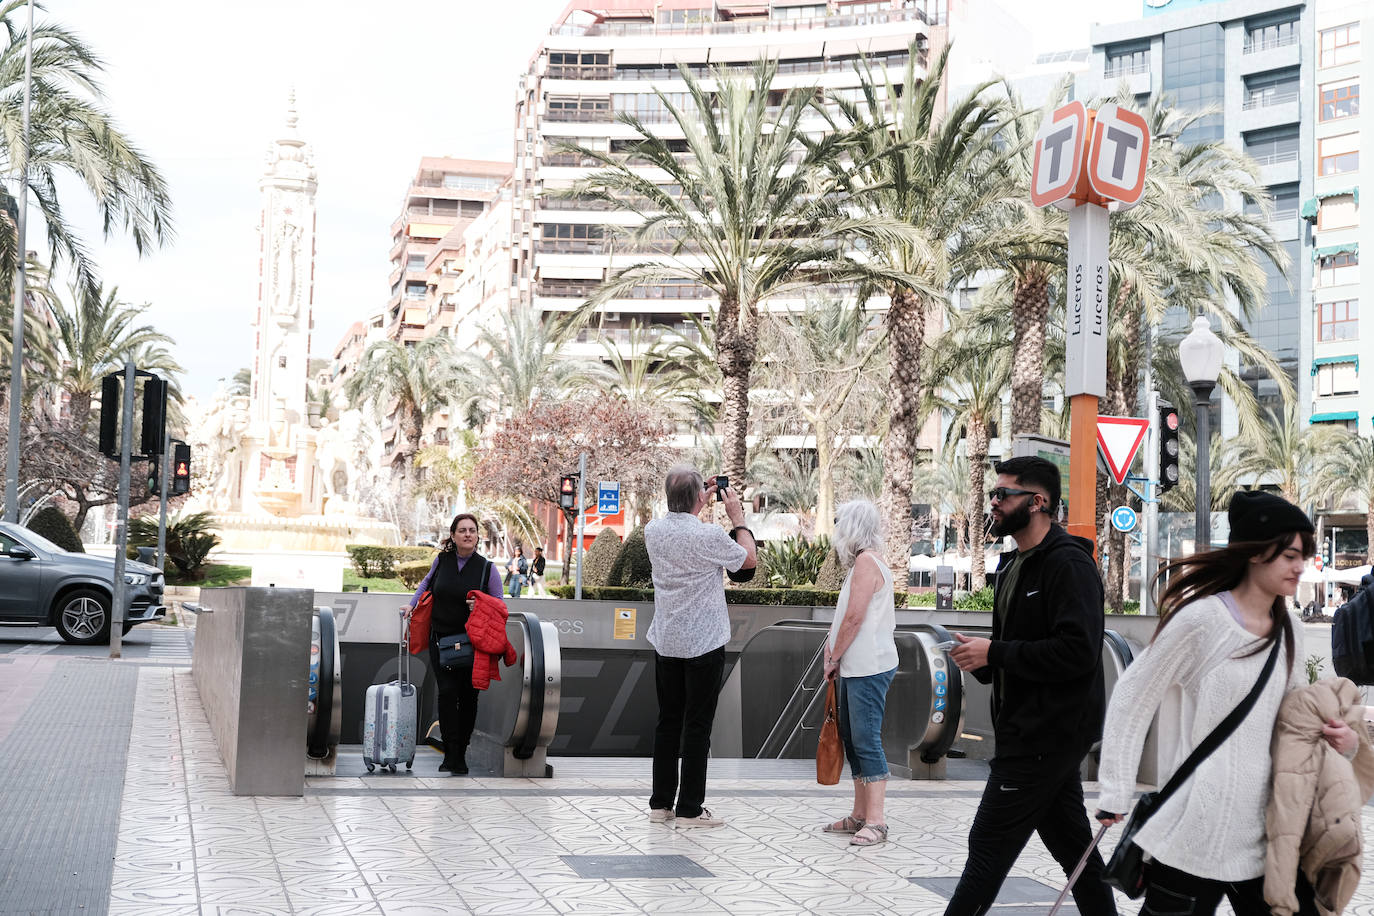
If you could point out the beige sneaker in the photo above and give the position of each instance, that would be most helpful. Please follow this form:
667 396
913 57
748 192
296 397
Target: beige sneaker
704 819
661 815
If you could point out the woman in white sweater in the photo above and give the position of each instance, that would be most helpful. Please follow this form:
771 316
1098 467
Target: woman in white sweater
1219 617
862 653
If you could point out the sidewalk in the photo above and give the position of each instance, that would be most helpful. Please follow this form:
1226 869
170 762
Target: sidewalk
429 843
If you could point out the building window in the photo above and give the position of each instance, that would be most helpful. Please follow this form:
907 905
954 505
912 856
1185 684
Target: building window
1340 45
1126 61
1338 269
281 362
648 106
1342 101
415 290
1268 147
1271 35
1337 378
579 108
1271 89
1338 320
1338 155
1339 212
415 262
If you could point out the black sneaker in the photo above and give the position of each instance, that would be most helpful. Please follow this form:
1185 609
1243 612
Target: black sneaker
444 767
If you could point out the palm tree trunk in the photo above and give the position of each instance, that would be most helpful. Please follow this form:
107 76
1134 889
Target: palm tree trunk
80 408
825 479
414 429
906 325
977 476
735 349
1030 312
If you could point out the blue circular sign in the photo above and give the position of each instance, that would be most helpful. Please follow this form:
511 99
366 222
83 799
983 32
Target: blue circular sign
1123 518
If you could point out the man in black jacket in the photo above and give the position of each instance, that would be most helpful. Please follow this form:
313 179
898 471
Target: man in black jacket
1044 662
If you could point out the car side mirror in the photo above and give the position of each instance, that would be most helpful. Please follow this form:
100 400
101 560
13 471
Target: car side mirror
20 552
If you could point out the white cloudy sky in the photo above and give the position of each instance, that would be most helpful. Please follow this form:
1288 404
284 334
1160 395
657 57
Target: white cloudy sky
201 88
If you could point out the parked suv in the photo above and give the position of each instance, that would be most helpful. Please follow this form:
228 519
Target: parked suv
43 585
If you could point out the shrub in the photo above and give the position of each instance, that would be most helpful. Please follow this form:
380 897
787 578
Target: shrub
49 522
376 561
793 561
194 549
920 599
600 558
411 572
189 539
632 568
778 597
980 600
830 577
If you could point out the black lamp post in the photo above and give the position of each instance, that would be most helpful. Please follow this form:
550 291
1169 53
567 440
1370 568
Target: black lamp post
1200 353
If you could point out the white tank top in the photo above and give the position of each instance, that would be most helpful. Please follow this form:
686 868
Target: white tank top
873 650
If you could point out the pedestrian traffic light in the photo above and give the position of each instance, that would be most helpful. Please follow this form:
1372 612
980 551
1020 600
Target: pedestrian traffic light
153 437
1168 447
567 492
181 469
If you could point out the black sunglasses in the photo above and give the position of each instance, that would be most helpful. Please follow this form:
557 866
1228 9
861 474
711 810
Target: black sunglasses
1001 493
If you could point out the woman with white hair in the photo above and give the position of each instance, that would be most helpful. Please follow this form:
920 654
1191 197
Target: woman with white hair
861 655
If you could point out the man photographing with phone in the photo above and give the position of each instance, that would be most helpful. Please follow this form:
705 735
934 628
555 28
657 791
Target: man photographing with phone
1044 662
689 631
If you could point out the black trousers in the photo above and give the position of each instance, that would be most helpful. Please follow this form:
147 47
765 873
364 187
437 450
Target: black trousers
1170 892
1041 794
688 689
457 705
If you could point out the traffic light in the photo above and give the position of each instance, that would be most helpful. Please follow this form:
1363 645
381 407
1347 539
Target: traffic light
109 416
567 492
181 469
154 477
1168 447
153 438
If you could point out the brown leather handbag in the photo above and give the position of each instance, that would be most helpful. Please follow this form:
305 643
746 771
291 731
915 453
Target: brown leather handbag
829 749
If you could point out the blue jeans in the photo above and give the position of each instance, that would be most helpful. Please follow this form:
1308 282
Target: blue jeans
862 700
517 582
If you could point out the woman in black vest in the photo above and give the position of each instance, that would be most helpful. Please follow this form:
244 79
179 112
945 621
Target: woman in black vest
458 570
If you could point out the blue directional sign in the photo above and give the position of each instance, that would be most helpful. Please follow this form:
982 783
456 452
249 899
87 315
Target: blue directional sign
607 497
1123 518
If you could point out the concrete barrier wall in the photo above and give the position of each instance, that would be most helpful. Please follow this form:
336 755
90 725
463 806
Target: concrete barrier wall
251 665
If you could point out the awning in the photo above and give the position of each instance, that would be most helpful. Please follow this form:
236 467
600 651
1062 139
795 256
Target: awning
1329 250
1332 360
1335 416
1309 206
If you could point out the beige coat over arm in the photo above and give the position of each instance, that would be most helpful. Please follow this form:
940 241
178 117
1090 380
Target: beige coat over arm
1313 819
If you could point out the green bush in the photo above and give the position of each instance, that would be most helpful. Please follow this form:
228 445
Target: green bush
189 540
377 561
632 568
777 597
920 599
600 558
830 577
793 561
411 572
980 600
49 522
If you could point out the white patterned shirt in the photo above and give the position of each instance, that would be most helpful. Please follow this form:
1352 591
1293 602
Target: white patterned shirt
688 556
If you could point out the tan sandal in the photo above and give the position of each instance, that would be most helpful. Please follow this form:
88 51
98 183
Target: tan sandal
849 824
879 835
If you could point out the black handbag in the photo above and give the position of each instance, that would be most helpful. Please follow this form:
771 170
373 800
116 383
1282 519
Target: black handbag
455 651
1126 868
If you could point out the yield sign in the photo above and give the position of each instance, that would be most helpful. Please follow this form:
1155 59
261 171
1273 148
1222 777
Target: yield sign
1119 438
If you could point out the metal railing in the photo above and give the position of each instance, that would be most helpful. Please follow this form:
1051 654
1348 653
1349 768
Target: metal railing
701 71
1275 158
1267 44
1268 99
876 17
1116 70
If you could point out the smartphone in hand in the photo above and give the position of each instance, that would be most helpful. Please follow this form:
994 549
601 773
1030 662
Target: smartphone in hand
947 645
722 484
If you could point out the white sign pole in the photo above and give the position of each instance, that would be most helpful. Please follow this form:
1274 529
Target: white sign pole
1085 345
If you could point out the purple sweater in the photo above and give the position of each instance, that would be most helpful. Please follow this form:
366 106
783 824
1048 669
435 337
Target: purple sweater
493 580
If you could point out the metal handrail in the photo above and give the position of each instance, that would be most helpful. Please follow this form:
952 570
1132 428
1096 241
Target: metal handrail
1269 43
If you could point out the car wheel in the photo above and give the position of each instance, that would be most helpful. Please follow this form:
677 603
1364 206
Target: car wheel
83 617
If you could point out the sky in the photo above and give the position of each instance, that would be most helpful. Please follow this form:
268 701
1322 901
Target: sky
202 90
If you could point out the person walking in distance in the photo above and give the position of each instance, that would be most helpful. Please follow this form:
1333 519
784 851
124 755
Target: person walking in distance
1220 617
537 573
1044 662
689 631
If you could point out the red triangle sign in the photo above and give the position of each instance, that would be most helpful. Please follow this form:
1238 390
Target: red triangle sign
1119 438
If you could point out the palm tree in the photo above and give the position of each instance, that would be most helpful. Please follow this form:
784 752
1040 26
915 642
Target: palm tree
72 136
651 374
241 383
1280 451
940 171
94 336
941 481
1344 468
414 382
520 359
968 378
758 216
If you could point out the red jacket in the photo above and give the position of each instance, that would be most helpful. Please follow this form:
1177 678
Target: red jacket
487 630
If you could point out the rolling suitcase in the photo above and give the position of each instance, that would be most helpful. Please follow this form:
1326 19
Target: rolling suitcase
389 717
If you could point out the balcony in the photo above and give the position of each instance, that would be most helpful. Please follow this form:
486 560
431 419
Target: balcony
842 64
876 17
578 72
573 246
1118 71
1276 158
1269 99
578 115
1268 44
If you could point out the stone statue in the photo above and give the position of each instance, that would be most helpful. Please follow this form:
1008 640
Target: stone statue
284 275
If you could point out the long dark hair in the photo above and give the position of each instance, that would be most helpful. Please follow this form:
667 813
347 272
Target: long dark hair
1214 571
447 545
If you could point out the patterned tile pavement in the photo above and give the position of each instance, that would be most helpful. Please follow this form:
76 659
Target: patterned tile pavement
427 843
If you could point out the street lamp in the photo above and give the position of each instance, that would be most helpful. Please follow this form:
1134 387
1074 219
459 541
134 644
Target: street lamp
1200 353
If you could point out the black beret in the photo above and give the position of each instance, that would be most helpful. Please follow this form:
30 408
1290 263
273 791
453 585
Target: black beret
1259 516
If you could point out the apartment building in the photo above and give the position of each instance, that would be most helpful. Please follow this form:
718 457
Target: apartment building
1340 395
602 59
1251 61
443 197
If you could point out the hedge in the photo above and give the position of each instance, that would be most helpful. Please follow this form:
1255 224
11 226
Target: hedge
51 523
600 558
774 597
412 571
375 561
632 567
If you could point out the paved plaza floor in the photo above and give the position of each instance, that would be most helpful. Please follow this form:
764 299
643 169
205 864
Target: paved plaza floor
135 817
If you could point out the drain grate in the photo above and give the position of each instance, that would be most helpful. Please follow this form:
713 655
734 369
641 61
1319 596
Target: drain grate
635 867
1017 893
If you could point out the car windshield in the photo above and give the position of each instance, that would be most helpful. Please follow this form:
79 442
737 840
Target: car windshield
42 543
